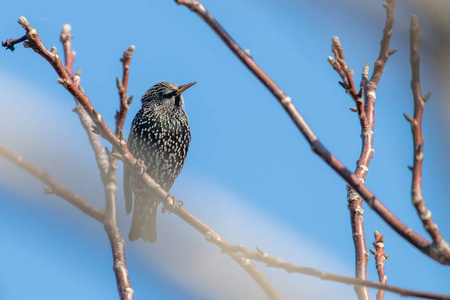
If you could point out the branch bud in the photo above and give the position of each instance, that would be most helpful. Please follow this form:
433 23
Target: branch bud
408 117
392 51
95 129
344 85
260 251
130 100
22 21
119 83
426 97
342 63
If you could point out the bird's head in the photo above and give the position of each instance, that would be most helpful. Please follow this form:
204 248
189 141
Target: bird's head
165 94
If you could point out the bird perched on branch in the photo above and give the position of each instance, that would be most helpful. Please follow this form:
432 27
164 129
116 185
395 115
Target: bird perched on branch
159 137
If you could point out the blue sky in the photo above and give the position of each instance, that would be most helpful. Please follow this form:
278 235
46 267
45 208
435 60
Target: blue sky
249 173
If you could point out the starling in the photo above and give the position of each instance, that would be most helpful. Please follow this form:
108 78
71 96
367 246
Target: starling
159 137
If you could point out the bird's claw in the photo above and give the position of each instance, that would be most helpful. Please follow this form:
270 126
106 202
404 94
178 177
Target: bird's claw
140 166
175 204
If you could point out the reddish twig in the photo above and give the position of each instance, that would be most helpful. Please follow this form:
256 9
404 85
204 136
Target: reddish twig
354 201
380 258
107 173
366 114
122 86
111 223
69 57
439 244
54 187
407 233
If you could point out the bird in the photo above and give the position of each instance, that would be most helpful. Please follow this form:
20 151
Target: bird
159 138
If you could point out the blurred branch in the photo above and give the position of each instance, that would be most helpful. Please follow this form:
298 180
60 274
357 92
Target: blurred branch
406 232
69 55
275 262
440 247
54 187
239 253
366 114
380 258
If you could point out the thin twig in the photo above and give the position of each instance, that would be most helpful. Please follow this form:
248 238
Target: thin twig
380 258
54 187
406 232
111 223
440 245
122 86
69 57
366 114
354 201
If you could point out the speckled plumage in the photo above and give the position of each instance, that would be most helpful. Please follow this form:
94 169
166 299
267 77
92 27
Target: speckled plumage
160 137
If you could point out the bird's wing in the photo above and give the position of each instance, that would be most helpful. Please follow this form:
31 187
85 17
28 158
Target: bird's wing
127 187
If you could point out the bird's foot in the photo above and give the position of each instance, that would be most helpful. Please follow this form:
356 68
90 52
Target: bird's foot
175 204
140 166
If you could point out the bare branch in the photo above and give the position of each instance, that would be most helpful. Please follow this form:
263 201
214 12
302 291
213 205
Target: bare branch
275 262
406 232
366 114
122 87
354 201
380 258
439 244
54 187
69 55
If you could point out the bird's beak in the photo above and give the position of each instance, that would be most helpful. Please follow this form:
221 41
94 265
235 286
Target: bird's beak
184 87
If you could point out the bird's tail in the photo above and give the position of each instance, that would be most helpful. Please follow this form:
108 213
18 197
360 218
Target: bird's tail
143 224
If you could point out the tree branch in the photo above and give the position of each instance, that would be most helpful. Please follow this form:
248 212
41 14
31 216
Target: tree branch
407 233
366 114
54 187
380 258
439 244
